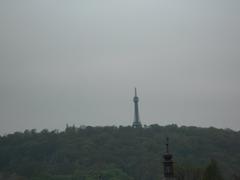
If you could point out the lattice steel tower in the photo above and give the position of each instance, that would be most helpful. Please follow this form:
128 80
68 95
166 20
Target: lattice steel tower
136 122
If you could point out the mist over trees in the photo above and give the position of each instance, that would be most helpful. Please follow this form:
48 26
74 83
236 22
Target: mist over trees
120 153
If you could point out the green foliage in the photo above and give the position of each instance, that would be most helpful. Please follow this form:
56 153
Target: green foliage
189 173
107 173
236 177
119 153
212 172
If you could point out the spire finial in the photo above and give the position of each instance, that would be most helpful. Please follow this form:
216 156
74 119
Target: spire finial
135 91
167 144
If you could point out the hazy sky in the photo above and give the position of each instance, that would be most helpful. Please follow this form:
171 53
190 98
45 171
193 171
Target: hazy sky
78 62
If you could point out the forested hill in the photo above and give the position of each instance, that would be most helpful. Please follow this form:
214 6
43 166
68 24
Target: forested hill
122 153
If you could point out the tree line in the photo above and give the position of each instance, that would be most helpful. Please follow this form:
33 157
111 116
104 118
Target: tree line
120 153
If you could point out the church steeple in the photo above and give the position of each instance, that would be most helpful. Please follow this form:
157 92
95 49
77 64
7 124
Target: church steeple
167 145
136 122
168 163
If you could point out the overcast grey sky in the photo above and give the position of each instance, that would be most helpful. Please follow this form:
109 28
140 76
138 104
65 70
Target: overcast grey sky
78 62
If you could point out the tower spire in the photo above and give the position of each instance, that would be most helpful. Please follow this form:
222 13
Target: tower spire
167 145
136 122
168 163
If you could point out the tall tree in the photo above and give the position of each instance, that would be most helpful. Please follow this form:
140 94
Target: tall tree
212 171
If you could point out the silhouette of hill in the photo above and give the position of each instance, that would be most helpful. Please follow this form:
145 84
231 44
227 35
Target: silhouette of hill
117 152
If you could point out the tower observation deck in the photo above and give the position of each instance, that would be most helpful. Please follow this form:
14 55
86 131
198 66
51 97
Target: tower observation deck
136 122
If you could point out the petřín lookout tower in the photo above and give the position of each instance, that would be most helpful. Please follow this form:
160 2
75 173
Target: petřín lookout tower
136 122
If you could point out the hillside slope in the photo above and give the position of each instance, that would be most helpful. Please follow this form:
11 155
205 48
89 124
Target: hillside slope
124 152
